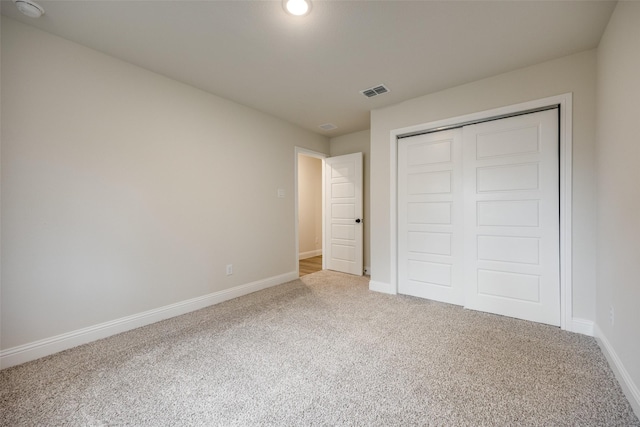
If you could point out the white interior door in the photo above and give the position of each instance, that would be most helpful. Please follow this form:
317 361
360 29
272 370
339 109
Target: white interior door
512 227
343 214
430 217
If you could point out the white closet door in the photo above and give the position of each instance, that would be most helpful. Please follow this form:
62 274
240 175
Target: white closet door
430 216
511 218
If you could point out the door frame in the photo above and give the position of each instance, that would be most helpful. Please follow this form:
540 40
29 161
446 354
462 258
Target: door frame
317 155
565 103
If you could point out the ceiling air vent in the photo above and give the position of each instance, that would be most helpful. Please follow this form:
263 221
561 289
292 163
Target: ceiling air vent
328 126
374 91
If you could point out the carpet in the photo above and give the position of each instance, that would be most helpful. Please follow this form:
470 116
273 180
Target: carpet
323 350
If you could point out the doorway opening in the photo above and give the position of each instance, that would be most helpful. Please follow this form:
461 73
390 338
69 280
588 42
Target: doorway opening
309 224
328 210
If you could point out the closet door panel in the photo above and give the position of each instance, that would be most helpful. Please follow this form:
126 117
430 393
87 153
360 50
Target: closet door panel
430 216
511 217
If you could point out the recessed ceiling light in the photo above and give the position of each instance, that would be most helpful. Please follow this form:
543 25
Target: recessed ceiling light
29 8
297 7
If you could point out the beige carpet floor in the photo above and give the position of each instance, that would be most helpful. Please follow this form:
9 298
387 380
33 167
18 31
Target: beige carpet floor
323 350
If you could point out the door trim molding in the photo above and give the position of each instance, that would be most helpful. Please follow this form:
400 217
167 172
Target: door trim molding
565 102
317 155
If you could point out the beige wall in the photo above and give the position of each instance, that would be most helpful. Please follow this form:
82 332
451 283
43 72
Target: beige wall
618 171
123 191
309 206
575 73
358 142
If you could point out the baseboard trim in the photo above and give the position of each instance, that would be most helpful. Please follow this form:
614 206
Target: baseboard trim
582 326
309 254
385 288
45 347
629 388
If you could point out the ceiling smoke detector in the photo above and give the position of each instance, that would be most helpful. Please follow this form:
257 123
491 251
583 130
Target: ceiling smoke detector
375 91
29 8
328 126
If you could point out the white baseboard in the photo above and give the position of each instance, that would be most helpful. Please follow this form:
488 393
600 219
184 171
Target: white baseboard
385 288
581 326
309 254
37 349
629 388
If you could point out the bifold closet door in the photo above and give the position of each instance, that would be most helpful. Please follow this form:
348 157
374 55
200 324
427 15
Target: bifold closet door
478 217
430 219
511 217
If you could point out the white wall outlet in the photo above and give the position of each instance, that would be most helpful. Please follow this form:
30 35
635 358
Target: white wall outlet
229 269
611 315
281 193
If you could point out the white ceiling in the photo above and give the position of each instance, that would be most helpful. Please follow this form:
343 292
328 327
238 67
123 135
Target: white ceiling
309 70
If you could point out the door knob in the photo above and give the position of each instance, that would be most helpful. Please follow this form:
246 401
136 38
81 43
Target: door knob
358 220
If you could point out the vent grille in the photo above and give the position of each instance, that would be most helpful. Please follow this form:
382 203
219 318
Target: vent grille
375 91
328 126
